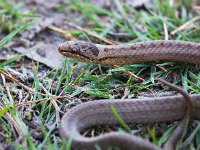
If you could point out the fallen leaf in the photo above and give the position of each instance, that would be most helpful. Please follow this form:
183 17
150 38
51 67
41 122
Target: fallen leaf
45 53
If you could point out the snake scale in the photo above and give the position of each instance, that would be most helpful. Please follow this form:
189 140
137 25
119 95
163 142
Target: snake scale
147 110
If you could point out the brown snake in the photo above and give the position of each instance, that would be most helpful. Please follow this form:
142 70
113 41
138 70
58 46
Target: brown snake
147 110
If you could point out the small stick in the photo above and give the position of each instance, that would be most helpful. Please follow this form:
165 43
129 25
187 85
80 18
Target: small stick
130 74
17 81
108 41
14 123
186 25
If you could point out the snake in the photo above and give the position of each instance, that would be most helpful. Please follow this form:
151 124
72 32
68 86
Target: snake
143 110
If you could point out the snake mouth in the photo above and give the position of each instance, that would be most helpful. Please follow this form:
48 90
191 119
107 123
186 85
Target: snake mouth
76 56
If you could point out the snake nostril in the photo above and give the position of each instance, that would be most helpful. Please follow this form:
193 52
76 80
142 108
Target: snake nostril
60 47
73 51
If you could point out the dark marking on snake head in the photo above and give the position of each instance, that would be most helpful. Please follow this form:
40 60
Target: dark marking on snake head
94 50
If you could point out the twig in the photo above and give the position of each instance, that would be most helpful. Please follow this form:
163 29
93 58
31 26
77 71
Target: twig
8 76
188 24
171 3
108 41
65 33
54 103
161 68
130 74
3 59
41 100
15 125
126 93
197 8
121 35
15 73
17 81
165 31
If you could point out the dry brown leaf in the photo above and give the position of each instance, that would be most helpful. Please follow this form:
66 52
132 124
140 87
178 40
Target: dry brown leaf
46 54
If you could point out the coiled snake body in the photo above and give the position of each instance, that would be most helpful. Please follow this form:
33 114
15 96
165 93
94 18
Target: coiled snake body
149 110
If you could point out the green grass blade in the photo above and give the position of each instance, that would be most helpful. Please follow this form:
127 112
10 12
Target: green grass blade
121 121
13 33
4 110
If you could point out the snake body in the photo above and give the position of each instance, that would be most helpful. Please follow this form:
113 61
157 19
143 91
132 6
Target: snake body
149 110
188 52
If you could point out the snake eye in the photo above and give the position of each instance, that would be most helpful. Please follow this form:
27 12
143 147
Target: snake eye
71 49
75 51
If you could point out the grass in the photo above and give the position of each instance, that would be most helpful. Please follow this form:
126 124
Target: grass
85 81
12 17
9 37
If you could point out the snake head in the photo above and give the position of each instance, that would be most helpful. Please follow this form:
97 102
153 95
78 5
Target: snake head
79 50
